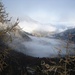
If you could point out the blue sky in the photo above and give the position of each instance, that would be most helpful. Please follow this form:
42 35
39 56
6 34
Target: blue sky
44 11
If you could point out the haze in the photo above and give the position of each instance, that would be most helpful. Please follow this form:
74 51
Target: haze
56 12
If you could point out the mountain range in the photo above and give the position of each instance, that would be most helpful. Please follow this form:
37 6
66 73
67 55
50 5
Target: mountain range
36 28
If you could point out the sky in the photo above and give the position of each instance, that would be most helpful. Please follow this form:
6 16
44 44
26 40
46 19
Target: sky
43 11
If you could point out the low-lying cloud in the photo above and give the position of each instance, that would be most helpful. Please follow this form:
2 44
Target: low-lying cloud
30 25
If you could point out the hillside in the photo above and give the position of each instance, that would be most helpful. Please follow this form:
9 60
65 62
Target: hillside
69 34
14 62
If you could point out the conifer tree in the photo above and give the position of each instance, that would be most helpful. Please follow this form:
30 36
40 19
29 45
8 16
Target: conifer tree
3 13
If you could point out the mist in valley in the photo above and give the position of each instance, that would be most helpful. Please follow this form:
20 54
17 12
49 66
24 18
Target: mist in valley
42 46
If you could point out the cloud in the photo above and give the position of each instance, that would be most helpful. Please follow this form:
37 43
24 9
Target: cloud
49 28
30 26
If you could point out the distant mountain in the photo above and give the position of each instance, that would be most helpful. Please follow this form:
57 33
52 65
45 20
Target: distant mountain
31 26
69 34
39 33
